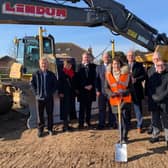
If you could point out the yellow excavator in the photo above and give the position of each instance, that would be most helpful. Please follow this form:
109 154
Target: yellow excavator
147 58
107 13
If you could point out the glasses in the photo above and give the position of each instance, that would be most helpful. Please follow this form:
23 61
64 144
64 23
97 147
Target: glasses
160 65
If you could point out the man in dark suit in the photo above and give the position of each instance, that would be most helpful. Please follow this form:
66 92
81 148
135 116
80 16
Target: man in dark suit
152 83
160 97
103 101
137 73
86 76
44 84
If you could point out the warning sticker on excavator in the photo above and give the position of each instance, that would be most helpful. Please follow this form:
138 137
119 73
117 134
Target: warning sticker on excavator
15 71
132 33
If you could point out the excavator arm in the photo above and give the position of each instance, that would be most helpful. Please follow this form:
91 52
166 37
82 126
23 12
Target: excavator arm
108 13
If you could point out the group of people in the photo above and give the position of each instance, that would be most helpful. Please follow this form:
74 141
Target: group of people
157 91
120 83
116 85
70 84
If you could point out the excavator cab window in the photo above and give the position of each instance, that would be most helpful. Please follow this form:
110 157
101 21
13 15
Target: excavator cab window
47 46
28 54
20 51
31 55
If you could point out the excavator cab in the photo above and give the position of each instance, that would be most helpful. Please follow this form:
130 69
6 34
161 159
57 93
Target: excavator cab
28 53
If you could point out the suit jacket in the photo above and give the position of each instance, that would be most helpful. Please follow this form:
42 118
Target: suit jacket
152 82
51 84
100 78
161 94
86 78
138 72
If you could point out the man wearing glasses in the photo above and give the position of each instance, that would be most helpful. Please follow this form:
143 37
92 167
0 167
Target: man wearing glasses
151 83
161 96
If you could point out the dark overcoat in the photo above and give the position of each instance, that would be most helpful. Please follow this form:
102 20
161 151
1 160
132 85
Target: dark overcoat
161 97
138 72
152 82
83 80
67 103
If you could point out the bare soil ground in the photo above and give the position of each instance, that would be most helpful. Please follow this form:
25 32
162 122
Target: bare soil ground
21 148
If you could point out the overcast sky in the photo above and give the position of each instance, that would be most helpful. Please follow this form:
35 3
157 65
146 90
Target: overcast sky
152 12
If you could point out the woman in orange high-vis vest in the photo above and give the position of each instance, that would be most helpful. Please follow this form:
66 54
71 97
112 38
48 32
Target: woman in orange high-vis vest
118 90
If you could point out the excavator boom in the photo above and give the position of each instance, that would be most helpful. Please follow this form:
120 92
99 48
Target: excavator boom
108 13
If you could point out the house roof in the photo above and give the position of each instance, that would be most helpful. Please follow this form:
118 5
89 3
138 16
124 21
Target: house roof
70 49
5 63
6 60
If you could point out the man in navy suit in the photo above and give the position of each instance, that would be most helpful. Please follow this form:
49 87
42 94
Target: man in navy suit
103 102
86 76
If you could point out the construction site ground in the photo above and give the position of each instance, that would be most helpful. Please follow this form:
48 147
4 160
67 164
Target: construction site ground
90 148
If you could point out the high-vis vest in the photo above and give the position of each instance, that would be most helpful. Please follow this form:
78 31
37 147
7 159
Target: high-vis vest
119 86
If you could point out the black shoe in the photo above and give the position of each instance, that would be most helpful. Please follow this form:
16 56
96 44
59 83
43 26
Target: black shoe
153 140
40 134
67 128
81 126
149 131
112 126
115 126
88 124
100 127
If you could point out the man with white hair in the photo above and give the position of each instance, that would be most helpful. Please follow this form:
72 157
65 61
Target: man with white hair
44 84
161 94
103 101
137 73
152 84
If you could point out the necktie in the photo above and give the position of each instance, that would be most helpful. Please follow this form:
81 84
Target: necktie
130 67
86 68
43 85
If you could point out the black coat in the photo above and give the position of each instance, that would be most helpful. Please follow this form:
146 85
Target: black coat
161 97
138 72
84 79
67 103
152 82
161 94
51 84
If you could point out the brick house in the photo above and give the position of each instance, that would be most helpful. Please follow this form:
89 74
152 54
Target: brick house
70 50
5 64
